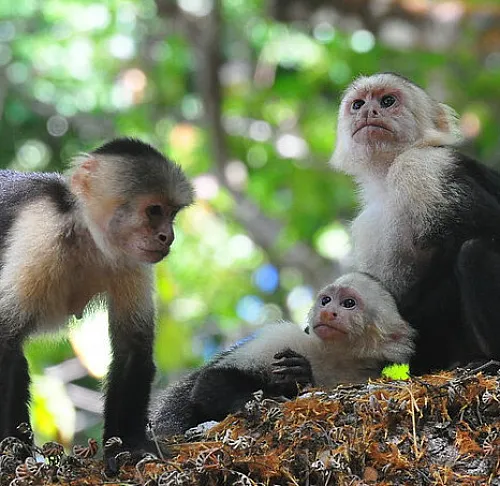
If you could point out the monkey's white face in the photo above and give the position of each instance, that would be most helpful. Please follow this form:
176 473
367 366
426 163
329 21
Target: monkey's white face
336 312
378 115
143 228
378 120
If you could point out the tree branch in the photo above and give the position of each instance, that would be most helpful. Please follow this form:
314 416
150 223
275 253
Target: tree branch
265 231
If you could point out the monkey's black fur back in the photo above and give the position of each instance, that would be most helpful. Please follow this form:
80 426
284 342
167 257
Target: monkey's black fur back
455 307
19 188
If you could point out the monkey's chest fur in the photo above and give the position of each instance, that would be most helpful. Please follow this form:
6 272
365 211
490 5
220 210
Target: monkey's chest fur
49 276
392 235
386 249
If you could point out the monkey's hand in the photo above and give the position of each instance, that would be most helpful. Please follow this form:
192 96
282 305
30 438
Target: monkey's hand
291 369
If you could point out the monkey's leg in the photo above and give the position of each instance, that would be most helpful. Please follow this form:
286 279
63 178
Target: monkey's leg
478 271
129 386
14 388
433 309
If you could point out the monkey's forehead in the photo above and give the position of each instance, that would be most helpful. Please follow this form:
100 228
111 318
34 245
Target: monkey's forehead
368 287
379 81
140 174
355 279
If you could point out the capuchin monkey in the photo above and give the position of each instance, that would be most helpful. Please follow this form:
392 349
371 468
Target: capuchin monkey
429 226
66 239
354 331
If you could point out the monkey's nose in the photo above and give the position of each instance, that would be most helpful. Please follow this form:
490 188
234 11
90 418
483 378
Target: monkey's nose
166 239
328 316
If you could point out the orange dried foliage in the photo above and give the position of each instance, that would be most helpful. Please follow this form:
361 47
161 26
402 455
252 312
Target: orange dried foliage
437 429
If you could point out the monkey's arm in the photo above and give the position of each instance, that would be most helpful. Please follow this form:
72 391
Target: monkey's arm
14 387
478 273
209 393
460 307
455 301
219 391
131 327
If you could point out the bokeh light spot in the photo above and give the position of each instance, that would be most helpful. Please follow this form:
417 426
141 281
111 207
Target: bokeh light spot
240 247
260 131
57 125
266 278
236 174
470 125
198 8
292 146
249 308
32 155
333 242
90 341
257 156
122 46
362 41
324 32
206 186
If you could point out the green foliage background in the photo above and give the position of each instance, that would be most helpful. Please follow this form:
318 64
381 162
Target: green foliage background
76 72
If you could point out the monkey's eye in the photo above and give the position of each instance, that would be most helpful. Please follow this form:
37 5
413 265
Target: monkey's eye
387 100
154 211
325 300
348 303
357 104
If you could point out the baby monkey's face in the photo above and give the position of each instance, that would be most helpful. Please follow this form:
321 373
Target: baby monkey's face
337 313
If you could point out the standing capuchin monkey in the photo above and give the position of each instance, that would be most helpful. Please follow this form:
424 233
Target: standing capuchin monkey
354 331
67 239
429 227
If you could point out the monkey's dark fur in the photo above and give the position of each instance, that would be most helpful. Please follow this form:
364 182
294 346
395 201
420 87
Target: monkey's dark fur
67 239
343 346
429 227
456 300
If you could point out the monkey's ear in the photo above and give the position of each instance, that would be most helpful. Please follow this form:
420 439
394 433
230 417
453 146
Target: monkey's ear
84 168
446 121
445 129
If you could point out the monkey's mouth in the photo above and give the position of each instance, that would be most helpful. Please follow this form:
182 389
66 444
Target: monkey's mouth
329 332
153 256
371 124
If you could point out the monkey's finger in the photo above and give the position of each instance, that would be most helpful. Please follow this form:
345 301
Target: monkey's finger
292 362
290 371
286 353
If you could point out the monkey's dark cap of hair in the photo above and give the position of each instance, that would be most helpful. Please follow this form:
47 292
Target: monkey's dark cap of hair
129 147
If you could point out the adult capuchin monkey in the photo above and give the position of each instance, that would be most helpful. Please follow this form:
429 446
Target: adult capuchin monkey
354 331
66 239
429 225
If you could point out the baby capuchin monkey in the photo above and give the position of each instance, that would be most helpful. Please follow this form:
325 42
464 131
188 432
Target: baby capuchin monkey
66 239
354 330
429 226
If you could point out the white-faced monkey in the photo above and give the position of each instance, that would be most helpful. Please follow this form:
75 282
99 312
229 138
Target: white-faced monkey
354 330
429 227
66 239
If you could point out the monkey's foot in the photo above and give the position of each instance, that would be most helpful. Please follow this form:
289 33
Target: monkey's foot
118 454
